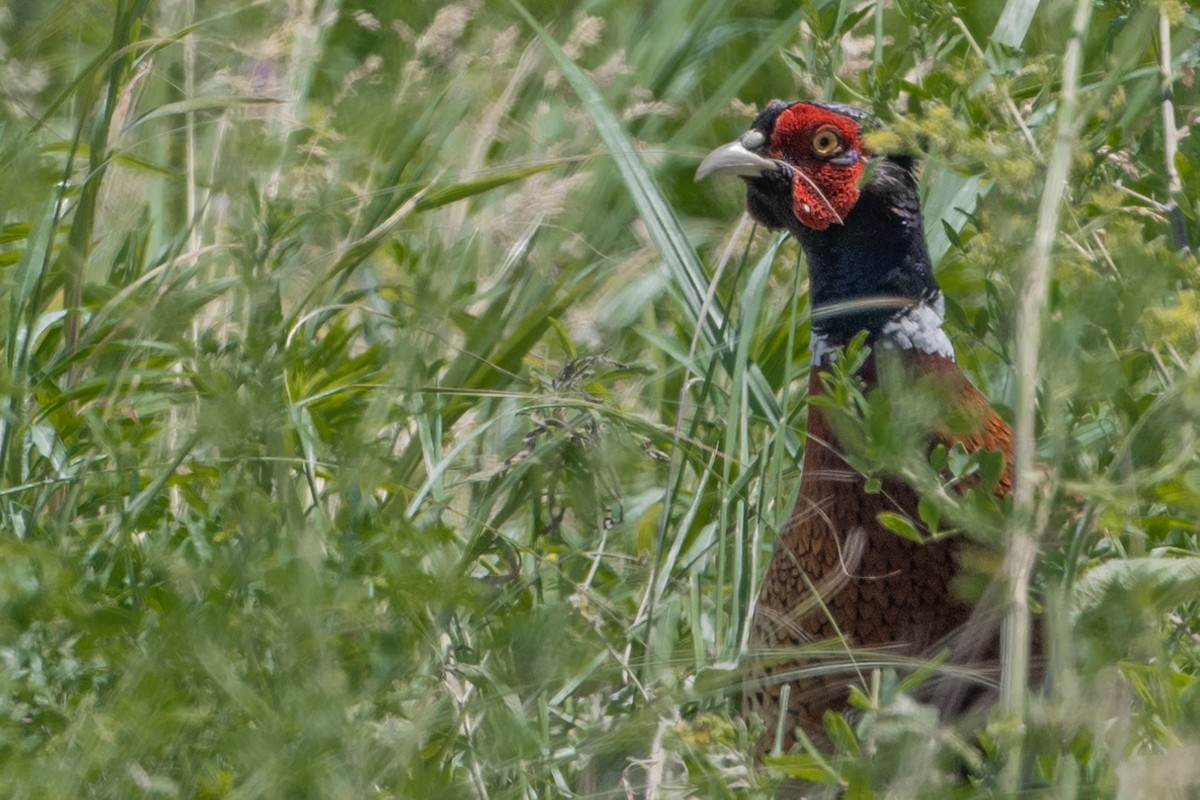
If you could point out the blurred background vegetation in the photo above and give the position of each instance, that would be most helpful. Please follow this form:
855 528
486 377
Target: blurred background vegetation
384 411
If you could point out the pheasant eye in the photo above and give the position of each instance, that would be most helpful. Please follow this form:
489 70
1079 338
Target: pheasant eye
826 142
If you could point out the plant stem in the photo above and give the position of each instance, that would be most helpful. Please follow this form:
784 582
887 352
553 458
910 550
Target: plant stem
1022 552
1170 135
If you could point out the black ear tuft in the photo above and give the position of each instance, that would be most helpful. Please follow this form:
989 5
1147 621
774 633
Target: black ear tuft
855 113
765 121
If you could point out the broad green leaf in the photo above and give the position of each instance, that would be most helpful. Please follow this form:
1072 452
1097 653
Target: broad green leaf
1151 584
1014 22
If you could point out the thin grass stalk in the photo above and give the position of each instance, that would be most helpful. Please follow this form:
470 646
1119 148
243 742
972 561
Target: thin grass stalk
660 570
878 49
1170 134
772 479
1023 543
126 27
750 308
733 412
195 240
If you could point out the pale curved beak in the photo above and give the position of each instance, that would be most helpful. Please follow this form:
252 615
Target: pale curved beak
734 159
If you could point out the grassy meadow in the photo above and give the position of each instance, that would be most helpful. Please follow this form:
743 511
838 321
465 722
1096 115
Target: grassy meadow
386 412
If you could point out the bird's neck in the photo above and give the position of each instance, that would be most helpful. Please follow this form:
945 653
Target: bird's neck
917 327
875 266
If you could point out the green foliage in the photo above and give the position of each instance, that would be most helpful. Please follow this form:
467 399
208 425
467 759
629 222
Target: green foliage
384 411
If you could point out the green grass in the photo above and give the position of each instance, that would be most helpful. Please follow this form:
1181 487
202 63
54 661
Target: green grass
384 410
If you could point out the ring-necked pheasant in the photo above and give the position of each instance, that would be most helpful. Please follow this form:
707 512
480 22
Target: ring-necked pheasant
857 217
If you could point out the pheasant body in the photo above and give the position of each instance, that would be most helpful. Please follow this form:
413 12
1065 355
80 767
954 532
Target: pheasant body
837 574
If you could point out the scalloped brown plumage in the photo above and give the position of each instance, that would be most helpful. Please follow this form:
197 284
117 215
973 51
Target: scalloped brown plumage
838 574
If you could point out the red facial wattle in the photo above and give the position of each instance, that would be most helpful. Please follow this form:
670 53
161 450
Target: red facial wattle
825 184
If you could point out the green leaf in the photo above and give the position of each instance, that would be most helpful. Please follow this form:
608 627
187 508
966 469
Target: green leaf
952 236
802 767
900 525
991 468
1014 22
564 338
948 194
145 167
929 513
207 103
839 733
938 458
18 231
1156 584
437 197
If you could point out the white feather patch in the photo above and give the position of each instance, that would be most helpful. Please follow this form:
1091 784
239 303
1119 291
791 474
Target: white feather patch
822 349
918 327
